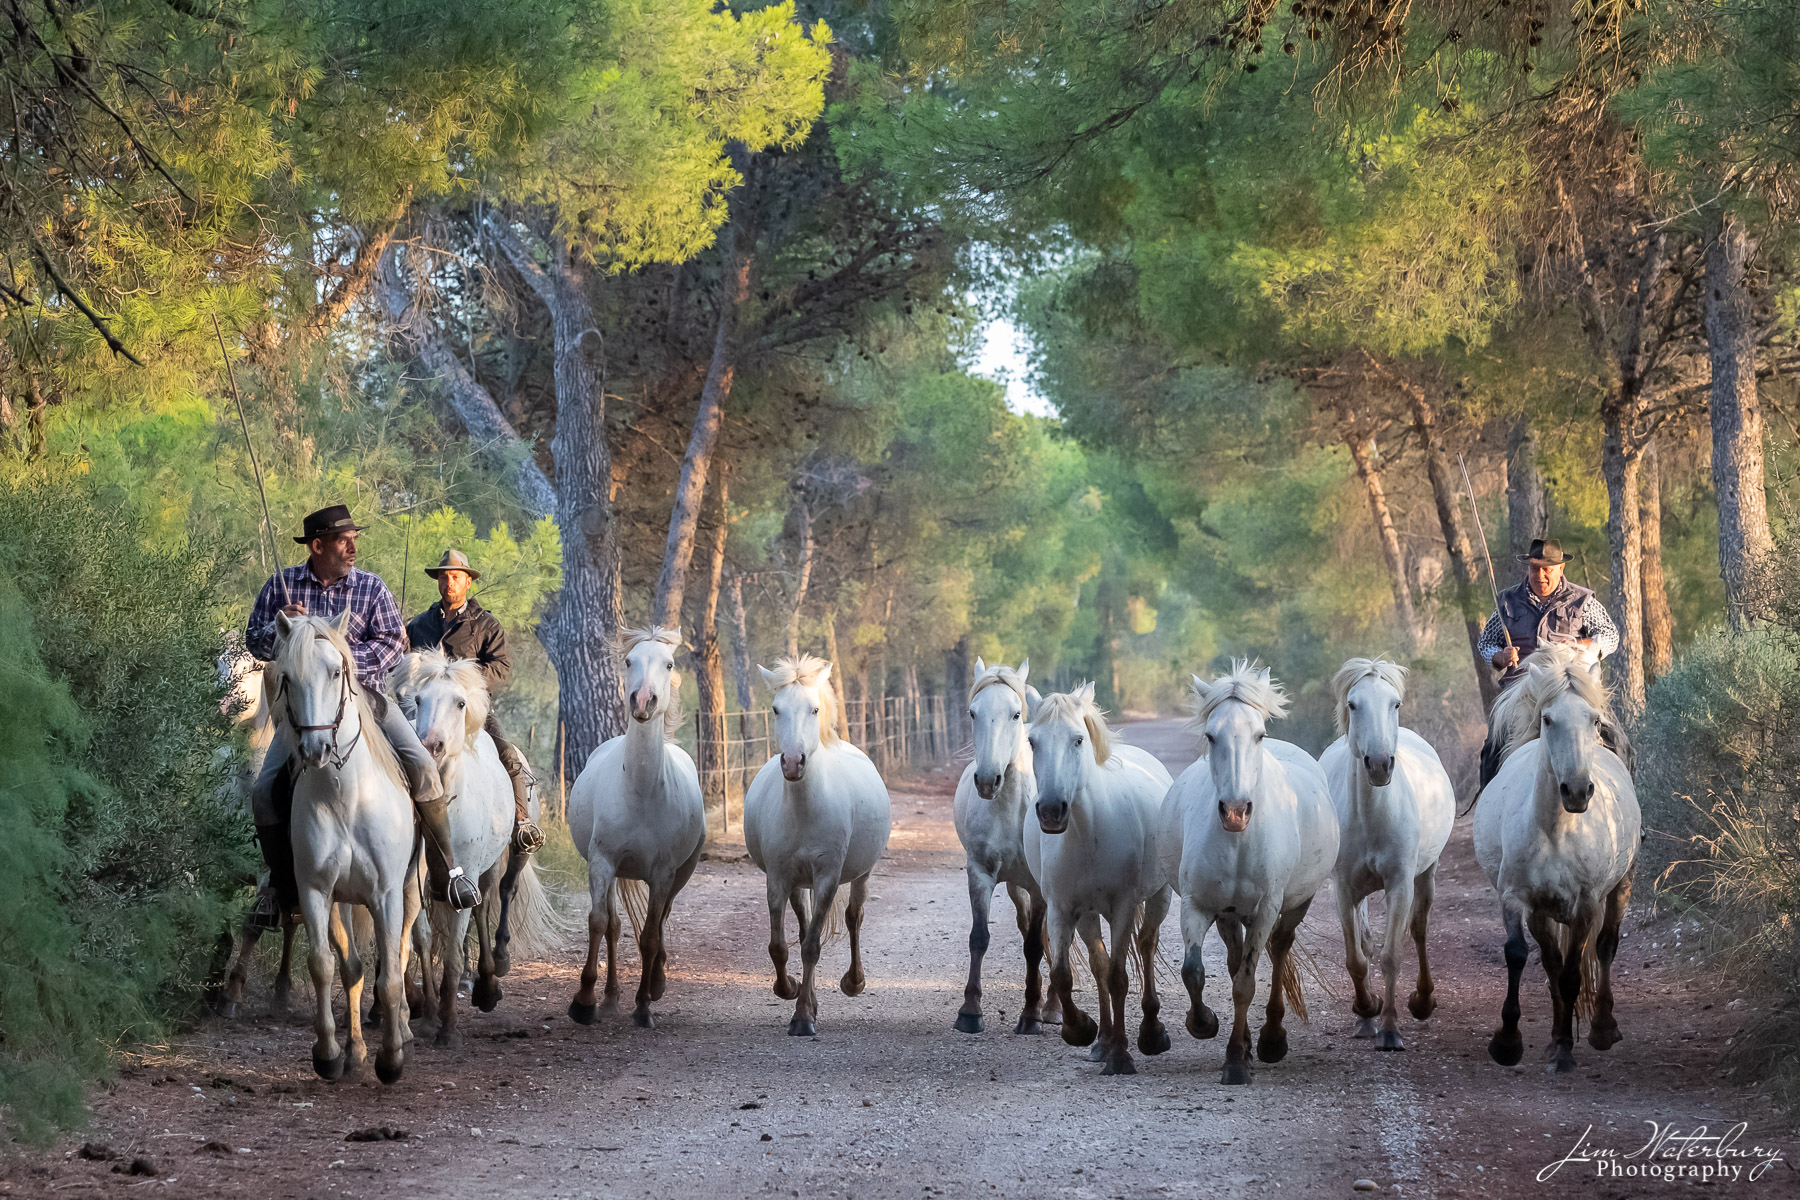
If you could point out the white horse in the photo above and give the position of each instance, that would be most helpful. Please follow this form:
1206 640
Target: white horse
1093 851
1395 805
352 828
637 813
993 799
816 818
447 701
1249 836
1557 833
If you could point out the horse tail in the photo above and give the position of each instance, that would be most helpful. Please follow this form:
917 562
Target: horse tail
538 919
1590 970
1290 983
634 897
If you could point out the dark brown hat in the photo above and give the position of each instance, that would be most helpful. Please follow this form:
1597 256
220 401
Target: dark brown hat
328 522
1548 551
454 560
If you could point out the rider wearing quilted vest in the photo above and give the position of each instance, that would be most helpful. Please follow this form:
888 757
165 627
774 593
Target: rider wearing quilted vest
324 586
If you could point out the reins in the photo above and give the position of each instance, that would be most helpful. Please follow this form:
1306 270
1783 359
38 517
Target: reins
338 758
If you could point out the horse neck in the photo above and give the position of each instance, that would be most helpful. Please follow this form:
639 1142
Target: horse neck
644 757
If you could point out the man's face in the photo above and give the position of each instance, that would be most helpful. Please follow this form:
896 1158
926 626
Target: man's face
1544 577
332 557
453 586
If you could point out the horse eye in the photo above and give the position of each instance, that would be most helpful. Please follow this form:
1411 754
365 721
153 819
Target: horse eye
1261 736
462 704
815 711
1352 706
1015 716
971 714
1078 740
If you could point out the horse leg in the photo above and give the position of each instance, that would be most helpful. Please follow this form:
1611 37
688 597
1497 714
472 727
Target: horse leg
1078 1029
610 994
1565 981
1202 1022
981 897
410 905
778 949
1353 916
1399 916
1243 991
486 994
284 972
854 981
1604 1032
1152 1037
1422 1003
388 916
235 982
509 882
328 1060
1506 1047
1117 1051
649 947
350 964
1100 964
1231 932
806 1005
1040 1010
1272 1043
601 923
659 973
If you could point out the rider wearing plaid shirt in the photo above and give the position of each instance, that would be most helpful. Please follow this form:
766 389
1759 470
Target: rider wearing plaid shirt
326 585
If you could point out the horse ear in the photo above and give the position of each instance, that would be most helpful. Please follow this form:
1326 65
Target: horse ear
1024 671
341 622
769 677
980 667
284 624
1085 693
825 673
1032 700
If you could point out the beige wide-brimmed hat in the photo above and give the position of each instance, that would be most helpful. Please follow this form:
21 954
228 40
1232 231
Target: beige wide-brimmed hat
454 560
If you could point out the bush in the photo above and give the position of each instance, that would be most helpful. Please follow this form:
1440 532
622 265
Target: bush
122 849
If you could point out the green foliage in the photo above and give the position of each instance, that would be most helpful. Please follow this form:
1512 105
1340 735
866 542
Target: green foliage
116 749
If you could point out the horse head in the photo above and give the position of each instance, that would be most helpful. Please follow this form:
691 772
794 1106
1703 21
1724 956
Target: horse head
315 678
999 705
651 681
1369 692
446 700
805 710
1569 725
1231 714
1068 738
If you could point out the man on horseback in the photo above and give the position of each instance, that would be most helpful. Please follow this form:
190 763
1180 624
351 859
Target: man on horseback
461 628
325 585
1544 607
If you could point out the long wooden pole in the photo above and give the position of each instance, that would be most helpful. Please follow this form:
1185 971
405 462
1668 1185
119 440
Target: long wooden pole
255 466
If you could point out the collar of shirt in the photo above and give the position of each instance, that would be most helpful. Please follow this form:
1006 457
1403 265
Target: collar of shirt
1537 601
309 573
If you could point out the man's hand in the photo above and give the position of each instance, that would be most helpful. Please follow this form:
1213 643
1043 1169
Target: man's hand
1506 658
296 609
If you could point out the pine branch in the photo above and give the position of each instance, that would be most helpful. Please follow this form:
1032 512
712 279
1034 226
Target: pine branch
94 318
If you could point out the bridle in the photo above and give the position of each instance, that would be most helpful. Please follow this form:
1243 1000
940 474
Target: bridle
346 689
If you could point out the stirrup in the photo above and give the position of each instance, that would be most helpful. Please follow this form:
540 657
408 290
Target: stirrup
461 891
527 838
266 913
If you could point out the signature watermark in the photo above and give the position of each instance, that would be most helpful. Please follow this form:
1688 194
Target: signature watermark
1673 1154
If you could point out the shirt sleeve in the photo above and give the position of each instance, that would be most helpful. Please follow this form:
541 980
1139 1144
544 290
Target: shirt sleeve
496 658
383 640
1490 642
1599 625
259 633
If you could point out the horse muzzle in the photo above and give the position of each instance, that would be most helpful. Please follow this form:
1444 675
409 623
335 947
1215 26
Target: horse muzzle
1380 768
1053 816
643 705
434 745
793 767
1234 815
986 786
1576 796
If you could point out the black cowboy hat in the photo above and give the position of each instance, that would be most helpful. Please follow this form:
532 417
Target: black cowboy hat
328 522
454 560
1547 551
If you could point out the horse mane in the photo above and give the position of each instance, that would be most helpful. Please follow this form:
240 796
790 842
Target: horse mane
998 675
1553 670
287 659
1247 681
810 671
1354 672
1079 706
426 666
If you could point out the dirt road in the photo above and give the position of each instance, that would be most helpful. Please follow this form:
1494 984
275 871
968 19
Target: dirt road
719 1102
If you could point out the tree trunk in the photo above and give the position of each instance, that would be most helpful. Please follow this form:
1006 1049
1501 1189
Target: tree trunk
1737 457
803 576
740 637
709 662
356 280
1619 467
956 688
1446 497
1659 631
35 409
837 674
1364 454
685 514
1525 510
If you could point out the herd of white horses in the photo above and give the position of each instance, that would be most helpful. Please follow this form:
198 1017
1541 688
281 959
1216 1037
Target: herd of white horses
1080 828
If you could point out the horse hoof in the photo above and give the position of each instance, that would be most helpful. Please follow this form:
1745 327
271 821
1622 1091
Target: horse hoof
786 988
1153 1039
1421 1006
1096 1053
502 961
1079 1030
1389 1039
1026 1025
1604 1037
1235 1073
1562 1064
583 1014
386 1072
1119 1063
487 995
228 1011
329 1068
1366 1028
1271 1045
971 1023
1203 1024
609 998
448 1039
803 1027
853 983
1506 1051
640 1016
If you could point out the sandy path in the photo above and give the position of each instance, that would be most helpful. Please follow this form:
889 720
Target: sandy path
888 1101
